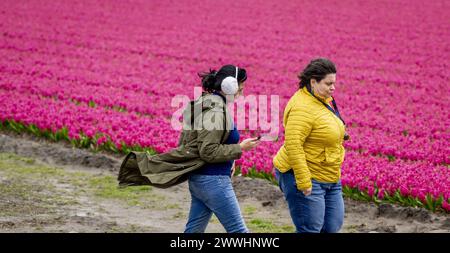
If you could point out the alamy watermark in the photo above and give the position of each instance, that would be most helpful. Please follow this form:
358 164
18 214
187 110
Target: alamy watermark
253 112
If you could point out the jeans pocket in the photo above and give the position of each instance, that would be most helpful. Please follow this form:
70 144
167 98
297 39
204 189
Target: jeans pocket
338 186
277 174
279 179
315 189
225 186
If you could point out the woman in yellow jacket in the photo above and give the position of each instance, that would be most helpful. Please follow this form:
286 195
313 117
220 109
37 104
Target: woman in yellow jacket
308 165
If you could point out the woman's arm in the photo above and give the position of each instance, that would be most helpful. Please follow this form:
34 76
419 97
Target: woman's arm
210 148
298 127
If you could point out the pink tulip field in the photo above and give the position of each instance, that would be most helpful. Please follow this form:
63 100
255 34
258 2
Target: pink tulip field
102 74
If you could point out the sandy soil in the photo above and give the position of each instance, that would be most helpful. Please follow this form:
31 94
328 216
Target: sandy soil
52 187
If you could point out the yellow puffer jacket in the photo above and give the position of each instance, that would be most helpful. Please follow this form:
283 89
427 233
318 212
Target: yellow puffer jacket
313 141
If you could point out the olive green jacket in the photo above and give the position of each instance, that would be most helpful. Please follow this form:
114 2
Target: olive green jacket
206 126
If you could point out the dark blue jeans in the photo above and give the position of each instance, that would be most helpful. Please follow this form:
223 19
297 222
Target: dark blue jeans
320 212
213 194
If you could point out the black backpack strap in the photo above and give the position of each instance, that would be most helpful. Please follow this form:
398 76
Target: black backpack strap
335 111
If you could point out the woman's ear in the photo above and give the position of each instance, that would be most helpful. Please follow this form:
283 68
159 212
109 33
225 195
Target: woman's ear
313 83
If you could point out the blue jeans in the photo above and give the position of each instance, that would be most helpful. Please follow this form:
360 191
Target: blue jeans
213 194
320 212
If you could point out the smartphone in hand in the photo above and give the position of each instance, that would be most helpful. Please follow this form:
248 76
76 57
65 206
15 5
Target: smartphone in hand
267 138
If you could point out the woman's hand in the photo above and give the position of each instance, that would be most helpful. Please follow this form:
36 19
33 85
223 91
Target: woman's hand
249 143
307 192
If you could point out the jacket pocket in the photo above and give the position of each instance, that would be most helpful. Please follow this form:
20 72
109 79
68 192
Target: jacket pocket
333 156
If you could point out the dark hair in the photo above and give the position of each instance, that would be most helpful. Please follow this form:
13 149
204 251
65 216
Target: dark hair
317 69
211 80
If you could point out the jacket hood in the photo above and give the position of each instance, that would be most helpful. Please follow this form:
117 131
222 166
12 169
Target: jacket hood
207 110
210 101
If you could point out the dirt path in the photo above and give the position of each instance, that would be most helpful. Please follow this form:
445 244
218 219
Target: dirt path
52 187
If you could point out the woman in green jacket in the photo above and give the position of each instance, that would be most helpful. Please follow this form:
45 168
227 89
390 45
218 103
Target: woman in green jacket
218 145
207 148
